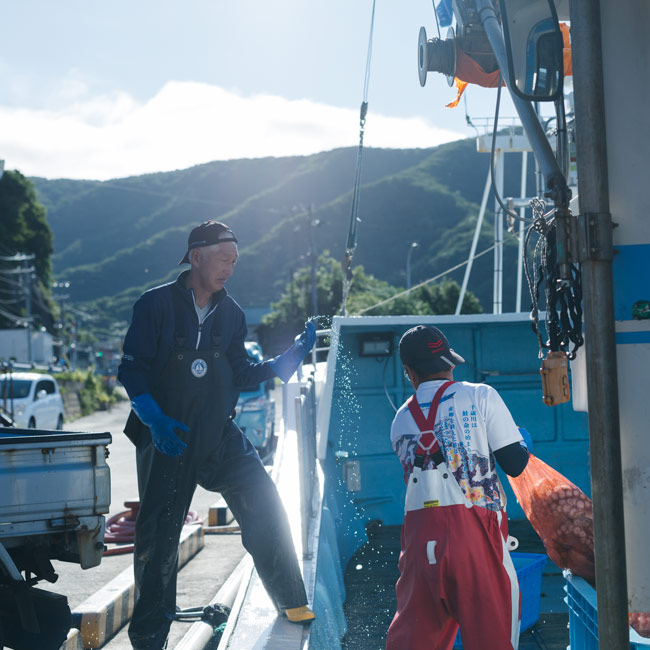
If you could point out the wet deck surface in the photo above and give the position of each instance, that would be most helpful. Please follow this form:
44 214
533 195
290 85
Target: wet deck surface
370 582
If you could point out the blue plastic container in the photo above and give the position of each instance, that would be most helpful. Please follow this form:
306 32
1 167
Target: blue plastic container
583 617
529 567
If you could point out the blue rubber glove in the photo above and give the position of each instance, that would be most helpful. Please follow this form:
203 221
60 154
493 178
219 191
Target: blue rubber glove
162 427
286 364
528 441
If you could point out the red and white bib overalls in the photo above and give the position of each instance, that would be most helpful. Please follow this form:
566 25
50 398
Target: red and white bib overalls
455 564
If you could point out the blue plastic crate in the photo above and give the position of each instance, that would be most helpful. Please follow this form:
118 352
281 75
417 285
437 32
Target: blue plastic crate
583 617
529 567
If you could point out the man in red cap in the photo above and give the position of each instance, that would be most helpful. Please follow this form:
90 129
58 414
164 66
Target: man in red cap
183 364
455 562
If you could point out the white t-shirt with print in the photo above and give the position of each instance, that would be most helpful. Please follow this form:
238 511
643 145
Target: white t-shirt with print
471 423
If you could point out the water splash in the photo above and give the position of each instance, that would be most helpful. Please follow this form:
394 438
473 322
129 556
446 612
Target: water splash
347 404
347 283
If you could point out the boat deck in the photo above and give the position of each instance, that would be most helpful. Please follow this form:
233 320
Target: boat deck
370 583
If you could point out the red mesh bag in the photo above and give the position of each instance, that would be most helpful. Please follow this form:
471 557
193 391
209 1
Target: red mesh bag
562 515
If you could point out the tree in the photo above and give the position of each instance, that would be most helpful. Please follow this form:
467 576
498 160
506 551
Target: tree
290 312
24 229
440 298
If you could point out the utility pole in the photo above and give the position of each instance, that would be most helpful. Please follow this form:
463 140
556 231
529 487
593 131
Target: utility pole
25 281
61 297
292 295
75 332
312 256
28 309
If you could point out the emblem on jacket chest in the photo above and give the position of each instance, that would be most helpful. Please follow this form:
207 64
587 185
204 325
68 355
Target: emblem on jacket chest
199 368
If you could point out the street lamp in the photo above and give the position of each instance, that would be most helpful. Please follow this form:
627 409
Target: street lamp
412 247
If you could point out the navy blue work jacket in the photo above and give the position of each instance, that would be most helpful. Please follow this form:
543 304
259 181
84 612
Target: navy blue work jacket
152 334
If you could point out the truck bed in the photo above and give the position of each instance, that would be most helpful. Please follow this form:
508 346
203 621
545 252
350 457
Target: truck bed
54 490
51 480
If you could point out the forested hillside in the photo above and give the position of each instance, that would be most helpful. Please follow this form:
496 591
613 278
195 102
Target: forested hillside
25 243
114 239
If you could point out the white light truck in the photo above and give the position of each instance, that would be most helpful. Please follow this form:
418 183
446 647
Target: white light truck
54 491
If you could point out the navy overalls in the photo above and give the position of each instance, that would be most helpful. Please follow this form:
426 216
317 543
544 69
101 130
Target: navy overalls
196 387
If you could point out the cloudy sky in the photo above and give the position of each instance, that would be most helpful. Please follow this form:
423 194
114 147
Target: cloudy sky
103 90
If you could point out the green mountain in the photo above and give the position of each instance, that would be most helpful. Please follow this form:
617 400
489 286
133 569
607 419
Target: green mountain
116 238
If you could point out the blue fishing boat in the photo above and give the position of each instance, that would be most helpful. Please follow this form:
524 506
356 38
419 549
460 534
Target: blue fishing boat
335 465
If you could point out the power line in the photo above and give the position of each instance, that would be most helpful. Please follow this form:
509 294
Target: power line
9 281
19 271
433 279
5 250
19 320
18 257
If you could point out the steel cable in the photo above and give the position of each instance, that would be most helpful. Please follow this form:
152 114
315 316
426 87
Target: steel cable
351 243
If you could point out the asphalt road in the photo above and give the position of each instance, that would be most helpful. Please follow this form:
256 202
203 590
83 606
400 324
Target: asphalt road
198 581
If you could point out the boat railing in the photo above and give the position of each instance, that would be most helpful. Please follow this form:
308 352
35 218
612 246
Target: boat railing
315 350
305 405
322 348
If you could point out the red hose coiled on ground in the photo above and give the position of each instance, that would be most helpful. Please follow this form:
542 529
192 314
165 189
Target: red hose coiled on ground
120 528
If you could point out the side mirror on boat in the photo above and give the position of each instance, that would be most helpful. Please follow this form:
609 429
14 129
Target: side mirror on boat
534 48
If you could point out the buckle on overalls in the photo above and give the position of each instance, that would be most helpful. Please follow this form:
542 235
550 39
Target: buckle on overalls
426 442
428 446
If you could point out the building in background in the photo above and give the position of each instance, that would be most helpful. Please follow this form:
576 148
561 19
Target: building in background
14 346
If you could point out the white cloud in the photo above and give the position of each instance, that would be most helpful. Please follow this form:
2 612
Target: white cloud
186 124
